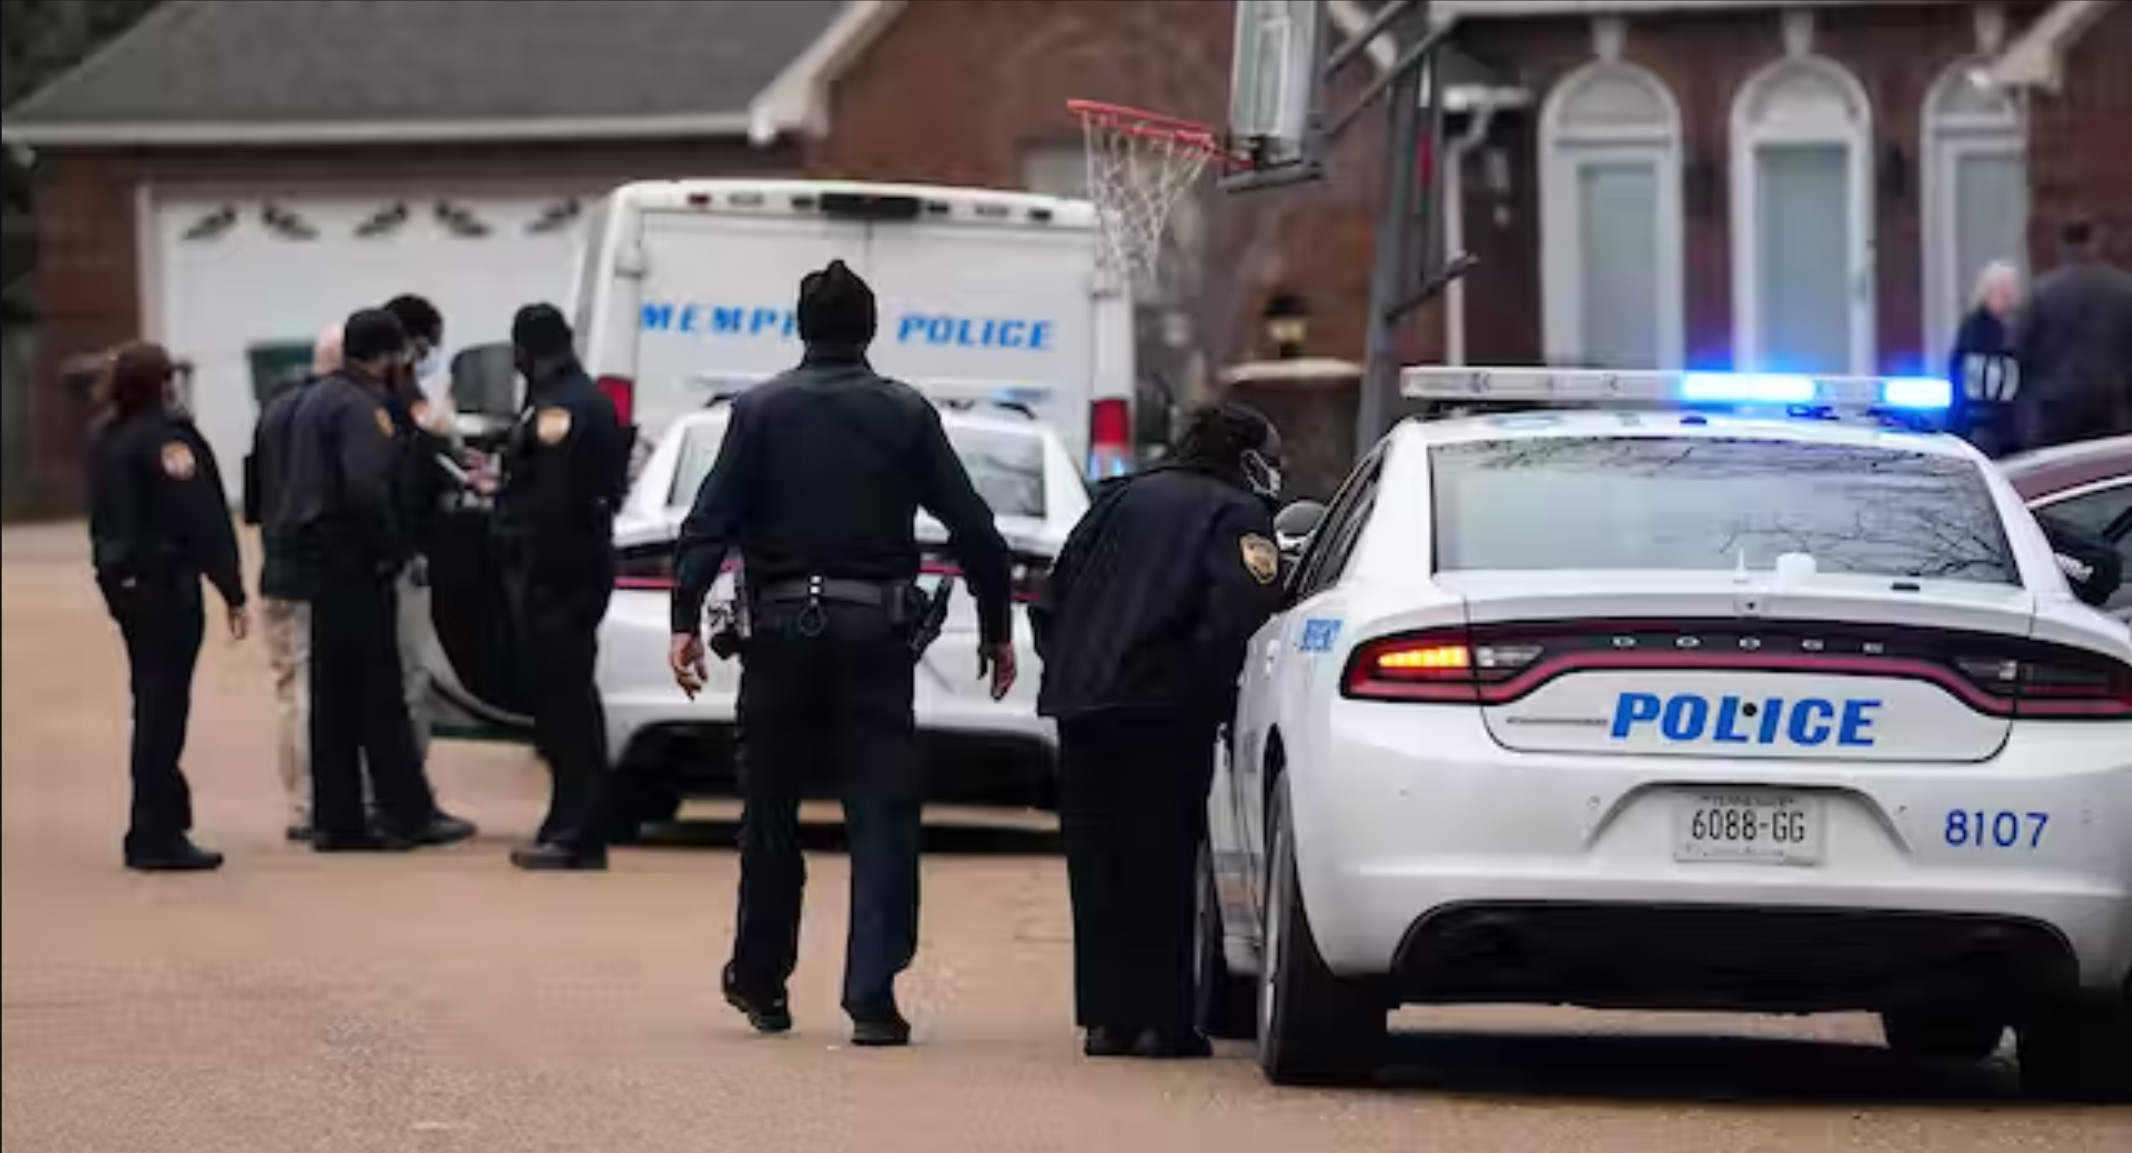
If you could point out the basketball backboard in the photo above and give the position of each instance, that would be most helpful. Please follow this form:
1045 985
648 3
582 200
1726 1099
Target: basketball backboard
1273 88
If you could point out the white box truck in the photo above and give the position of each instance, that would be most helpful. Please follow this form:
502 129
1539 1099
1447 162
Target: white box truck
686 289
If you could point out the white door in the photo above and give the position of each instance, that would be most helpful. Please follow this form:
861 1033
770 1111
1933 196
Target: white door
232 276
1804 286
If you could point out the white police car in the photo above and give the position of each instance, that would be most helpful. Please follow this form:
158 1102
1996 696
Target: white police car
1682 709
979 750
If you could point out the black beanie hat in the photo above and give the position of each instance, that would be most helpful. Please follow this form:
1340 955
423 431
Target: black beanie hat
836 307
370 334
540 330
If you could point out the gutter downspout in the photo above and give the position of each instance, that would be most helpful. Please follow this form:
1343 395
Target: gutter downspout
1455 228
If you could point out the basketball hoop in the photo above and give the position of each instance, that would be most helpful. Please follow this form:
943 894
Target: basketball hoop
1140 164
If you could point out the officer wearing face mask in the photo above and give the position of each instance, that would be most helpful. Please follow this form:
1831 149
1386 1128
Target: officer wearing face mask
1143 628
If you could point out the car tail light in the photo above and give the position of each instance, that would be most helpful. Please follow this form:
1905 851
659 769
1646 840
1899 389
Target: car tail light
645 569
1110 437
1439 665
622 393
2052 684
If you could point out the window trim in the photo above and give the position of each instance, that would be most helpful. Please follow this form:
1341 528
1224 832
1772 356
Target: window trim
1944 139
1564 152
1354 501
1749 138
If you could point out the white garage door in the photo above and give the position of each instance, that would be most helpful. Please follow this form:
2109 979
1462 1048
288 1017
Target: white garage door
237 280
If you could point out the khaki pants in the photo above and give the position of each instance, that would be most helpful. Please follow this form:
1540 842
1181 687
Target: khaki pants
416 639
287 627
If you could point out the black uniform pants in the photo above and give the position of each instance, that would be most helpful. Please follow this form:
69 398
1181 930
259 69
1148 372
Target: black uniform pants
162 620
834 707
359 715
560 631
1133 812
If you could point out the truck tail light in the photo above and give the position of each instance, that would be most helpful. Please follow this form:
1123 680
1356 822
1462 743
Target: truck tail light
1110 437
622 393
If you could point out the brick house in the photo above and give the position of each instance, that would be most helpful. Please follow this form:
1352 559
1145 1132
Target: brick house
1665 181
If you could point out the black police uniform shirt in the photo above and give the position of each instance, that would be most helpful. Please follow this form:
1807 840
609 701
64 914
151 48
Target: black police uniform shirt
1155 597
157 508
564 471
822 473
339 508
266 483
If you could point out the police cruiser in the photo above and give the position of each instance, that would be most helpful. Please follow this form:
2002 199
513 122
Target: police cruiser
1706 698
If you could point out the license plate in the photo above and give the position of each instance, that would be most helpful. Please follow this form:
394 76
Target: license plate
1747 827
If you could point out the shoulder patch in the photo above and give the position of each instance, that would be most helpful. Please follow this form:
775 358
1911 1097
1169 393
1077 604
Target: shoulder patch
178 462
384 419
1261 559
552 425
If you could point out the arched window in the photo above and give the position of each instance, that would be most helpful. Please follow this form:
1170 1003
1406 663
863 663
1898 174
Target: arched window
1610 220
1975 194
1802 220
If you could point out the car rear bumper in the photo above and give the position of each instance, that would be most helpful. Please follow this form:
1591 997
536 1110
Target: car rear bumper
1414 823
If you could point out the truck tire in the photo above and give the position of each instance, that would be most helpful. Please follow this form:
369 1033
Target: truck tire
1227 1005
2079 1050
1315 1027
636 798
1941 1034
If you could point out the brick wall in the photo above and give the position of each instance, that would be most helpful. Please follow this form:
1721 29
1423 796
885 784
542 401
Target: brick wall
1897 52
2078 164
88 258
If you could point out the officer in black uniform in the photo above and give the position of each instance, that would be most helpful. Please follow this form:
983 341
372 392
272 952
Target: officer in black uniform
564 470
1143 628
343 523
158 522
818 484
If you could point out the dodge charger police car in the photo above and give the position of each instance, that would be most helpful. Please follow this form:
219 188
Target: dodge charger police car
1691 708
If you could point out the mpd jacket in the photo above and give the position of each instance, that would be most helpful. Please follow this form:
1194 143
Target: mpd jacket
564 471
157 511
339 511
266 482
822 473
1987 383
2075 348
1155 597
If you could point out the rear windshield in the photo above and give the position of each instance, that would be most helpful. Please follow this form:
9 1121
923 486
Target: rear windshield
1007 467
1695 503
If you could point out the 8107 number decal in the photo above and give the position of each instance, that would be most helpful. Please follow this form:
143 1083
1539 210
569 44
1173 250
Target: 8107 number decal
1978 829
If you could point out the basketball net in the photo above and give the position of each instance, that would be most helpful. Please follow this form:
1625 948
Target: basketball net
1140 164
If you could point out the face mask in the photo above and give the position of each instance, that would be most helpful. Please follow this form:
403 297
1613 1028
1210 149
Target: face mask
427 366
1261 475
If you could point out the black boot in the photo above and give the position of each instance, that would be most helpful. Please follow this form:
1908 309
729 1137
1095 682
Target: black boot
554 858
176 856
1164 1045
1109 1041
442 829
881 1028
767 1013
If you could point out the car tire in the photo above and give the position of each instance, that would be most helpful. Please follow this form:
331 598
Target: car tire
1941 1035
2079 1050
1314 1026
1227 1005
635 800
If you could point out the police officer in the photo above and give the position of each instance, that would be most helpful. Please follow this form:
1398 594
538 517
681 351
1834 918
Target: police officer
1142 629
344 523
158 522
423 486
564 469
818 484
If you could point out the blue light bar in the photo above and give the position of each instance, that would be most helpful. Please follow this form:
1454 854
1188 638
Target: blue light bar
1747 388
1923 393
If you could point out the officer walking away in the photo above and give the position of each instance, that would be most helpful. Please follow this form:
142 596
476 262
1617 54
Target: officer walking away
342 517
818 484
2075 347
1982 368
284 608
1143 628
564 469
158 522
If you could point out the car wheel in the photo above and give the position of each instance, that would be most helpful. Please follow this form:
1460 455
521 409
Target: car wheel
1227 1004
1315 1027
634 800
1941 1035
2079 1050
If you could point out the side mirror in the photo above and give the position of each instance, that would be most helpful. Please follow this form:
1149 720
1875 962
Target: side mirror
1293 527
2091 566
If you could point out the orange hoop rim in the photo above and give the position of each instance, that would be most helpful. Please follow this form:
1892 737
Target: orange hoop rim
1188 135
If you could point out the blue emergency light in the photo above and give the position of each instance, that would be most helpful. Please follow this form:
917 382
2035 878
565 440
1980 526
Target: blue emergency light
1916 396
